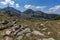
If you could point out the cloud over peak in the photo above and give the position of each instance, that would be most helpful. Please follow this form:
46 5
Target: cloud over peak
28 6
34 7
10 3
40 6
17 5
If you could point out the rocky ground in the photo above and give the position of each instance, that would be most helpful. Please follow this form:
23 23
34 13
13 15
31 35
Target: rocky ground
31 30
13 28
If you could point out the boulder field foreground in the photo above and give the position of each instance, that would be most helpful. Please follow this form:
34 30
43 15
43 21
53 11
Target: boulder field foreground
30 30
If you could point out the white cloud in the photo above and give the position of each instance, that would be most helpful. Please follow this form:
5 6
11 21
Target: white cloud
6 2
10 2
54 9
17 6
40 6
35 7
28 6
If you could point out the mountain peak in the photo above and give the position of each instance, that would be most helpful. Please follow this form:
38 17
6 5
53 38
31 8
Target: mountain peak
11 10
28 11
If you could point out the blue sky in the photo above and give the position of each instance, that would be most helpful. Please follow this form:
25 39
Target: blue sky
52 6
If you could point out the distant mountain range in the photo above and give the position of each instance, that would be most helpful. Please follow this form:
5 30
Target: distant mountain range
29 13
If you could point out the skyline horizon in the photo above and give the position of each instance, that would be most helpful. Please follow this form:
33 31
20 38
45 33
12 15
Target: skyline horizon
28 9
42 5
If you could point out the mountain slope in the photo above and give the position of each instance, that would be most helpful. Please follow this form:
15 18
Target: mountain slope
29 13
11 10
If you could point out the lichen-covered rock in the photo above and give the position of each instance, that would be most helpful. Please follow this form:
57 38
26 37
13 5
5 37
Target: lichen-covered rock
19 38
38 39
27 30
42 25
8 32
5 22
28 34
49 33
8 38
44 29
48 39
37 33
